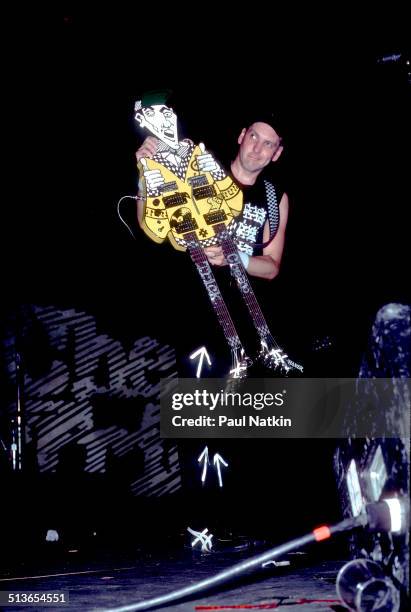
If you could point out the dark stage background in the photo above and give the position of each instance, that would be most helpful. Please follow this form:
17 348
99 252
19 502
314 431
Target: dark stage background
86 305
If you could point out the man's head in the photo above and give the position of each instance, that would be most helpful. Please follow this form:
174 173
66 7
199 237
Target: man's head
260 144
154 115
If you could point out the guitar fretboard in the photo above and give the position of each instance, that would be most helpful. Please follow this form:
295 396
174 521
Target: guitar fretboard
204 269
243 283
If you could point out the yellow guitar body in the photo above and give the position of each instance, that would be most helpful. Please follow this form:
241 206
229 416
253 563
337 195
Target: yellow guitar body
193 205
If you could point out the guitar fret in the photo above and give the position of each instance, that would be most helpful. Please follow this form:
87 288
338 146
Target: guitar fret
201 262
244 285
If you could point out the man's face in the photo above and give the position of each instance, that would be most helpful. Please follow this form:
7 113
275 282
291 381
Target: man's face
161 121
259 145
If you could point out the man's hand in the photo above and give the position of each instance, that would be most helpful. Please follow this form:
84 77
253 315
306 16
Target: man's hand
148 148
206 162
215 256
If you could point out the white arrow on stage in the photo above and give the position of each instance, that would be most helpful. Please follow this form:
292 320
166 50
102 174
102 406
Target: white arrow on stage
201 352
217 461
204 457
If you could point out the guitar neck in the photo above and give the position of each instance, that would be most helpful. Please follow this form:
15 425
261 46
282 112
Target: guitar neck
204 269
238 272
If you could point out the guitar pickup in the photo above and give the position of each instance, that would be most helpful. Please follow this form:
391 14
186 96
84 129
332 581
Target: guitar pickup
217 216
188 225
197 181
177 199
206 191
170 186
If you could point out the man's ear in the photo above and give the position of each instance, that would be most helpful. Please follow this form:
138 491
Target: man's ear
277 153
139 117
241 136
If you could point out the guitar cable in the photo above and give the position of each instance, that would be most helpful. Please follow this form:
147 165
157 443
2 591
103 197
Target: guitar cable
119 214
388 515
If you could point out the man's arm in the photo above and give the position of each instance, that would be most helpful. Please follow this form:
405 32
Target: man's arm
140 209
268 264
148 148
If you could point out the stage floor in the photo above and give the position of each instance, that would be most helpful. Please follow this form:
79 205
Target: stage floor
106 580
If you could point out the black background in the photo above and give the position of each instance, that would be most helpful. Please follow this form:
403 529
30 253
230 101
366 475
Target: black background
346 127
345 165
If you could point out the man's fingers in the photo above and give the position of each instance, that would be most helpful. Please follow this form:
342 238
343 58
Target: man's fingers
215 256
145 152
148 148
213 251
152 147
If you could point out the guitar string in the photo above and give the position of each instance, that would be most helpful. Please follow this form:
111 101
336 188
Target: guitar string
241 278
199 258
220 307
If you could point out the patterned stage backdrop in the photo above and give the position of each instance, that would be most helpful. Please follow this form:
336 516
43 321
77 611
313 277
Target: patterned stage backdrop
82 387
